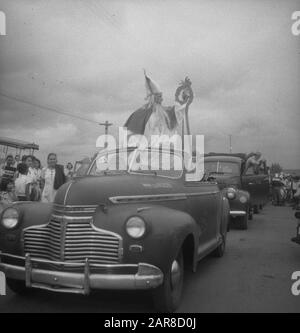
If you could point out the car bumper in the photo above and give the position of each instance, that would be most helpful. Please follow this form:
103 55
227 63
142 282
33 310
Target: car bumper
139 276
235 213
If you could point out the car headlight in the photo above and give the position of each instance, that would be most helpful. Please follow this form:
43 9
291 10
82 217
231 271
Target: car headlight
10 218
231 193
135 227
243 199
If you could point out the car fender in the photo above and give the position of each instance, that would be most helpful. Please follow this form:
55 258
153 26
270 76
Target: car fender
167 230
236 204
30 213
225 215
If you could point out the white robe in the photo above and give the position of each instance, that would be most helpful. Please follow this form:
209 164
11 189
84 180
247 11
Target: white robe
49 192
158 121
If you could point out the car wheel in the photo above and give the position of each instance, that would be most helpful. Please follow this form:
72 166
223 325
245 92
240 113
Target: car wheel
167 297
220 250
17 286
243 222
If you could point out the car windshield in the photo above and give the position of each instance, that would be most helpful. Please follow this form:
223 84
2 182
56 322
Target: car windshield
221 167
137 161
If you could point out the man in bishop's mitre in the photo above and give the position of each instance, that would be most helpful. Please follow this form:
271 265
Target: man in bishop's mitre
155 119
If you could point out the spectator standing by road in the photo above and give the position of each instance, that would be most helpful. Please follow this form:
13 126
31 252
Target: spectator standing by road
35 177
7 172
32 179
296 193
22 183
31 171
17 160
37 168
52 178
69 171
9 195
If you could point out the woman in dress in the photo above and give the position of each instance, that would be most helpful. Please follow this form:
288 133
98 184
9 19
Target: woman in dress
52 178
69 171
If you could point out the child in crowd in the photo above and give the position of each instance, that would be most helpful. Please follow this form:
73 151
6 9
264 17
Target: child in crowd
22 183
8 172
69 171
8 196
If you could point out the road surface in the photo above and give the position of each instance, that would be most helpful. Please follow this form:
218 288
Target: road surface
253 276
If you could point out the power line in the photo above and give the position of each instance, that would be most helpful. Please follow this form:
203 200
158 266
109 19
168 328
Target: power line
20 100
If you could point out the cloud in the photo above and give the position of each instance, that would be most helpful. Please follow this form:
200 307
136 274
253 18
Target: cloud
86 58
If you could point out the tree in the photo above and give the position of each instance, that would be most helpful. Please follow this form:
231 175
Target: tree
275 168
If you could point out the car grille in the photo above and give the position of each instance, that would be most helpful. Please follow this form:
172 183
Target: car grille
70 236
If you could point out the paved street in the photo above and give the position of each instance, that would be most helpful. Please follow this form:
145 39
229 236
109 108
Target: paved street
253 276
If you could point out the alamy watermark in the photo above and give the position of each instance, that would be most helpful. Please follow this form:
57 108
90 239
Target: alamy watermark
2 284
296 25
296 285
157 152
2 24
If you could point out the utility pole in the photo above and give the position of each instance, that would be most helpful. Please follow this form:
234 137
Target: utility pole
230 145
106 126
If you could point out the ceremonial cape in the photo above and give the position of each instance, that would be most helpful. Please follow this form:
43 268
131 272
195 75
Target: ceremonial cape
137 121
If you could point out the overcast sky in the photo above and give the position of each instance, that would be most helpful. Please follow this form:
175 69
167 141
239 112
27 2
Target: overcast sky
86 58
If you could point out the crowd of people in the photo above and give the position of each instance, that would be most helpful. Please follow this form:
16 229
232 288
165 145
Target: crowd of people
24 179
286 189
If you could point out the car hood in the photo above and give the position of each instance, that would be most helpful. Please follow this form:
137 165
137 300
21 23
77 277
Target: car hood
97 190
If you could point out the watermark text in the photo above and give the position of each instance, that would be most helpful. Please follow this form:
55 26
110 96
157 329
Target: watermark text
2 24
296 24
2 284
296 285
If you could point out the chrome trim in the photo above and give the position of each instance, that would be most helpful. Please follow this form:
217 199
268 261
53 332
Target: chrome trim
67 192
146 277
149 197
197 194
238 213
66 230
66 263
63 224
75 209
157 197
65 217
75 206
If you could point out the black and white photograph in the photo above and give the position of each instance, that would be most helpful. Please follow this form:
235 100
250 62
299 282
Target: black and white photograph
149 159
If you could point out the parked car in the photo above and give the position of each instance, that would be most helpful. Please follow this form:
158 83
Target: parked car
246 190
123 229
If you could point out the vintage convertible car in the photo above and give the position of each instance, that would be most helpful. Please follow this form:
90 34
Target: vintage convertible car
123 229
246 190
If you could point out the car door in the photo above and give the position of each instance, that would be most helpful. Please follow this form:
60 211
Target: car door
251 183
203 207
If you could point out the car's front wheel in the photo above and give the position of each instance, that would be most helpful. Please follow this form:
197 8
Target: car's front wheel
167 297
220 250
